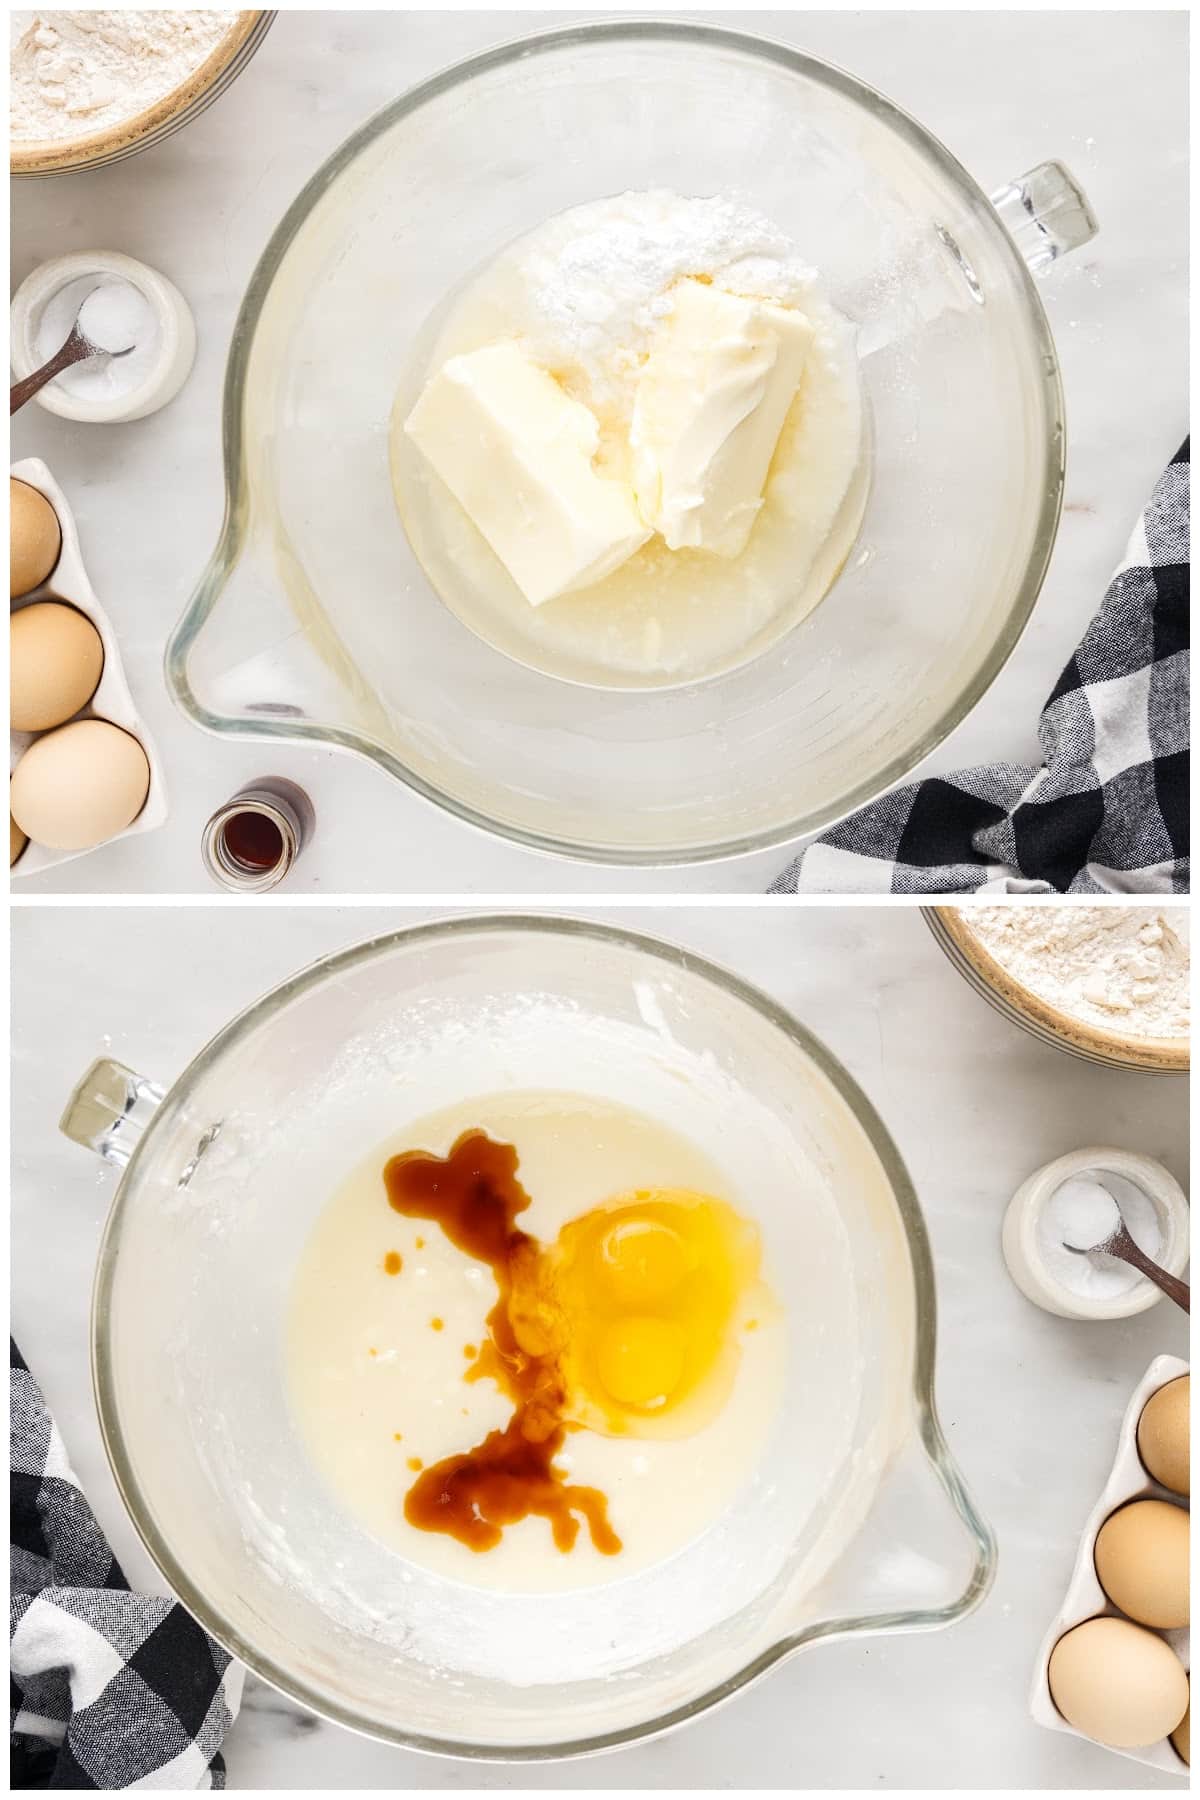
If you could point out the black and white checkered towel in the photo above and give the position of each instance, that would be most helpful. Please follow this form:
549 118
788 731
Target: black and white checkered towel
1107 812
110 1689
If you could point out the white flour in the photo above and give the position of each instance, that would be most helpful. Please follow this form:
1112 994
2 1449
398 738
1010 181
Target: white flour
73 73
1126 968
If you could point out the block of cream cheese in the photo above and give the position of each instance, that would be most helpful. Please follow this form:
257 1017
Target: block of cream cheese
517 452
711 401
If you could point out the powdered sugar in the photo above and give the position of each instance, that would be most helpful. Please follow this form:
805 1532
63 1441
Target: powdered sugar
73 73
597 278
1125 968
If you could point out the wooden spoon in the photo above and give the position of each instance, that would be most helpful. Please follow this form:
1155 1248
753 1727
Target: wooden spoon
1120 1244
77 349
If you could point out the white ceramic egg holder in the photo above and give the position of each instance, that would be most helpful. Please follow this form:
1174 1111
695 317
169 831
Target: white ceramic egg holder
1085 1598
112 700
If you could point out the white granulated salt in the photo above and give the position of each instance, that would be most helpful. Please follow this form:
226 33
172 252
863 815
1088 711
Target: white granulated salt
112 314
1124 968
1085 1210
73 73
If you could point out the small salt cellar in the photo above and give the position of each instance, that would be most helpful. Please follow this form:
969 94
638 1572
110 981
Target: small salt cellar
1075 1198
128 303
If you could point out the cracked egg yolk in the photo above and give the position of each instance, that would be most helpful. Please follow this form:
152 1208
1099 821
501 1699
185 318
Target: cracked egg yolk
647 1294
627 1323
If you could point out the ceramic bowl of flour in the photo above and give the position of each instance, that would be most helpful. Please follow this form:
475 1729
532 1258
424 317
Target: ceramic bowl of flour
850 1518
87 89
1106 983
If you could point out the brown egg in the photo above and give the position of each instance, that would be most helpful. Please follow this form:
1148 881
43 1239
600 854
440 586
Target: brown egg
55 659
1164 1438
1181 1737
34 538
1142 1562
79 785
16 840
1118 1684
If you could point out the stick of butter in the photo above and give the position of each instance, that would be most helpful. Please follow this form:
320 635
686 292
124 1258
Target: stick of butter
516 452
711 400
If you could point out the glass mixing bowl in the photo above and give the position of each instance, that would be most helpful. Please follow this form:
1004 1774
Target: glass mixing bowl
857 1522
314 621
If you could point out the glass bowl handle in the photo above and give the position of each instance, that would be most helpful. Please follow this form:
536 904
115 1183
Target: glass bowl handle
109 1109
1047 214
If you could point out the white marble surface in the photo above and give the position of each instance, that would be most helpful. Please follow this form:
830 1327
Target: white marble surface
1104 91
1030 1403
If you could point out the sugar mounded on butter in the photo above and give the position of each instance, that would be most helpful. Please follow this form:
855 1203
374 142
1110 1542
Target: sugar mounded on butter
517 451
718 383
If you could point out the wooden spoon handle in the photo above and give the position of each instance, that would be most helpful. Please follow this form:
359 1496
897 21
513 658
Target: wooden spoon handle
1172 1287
76 349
